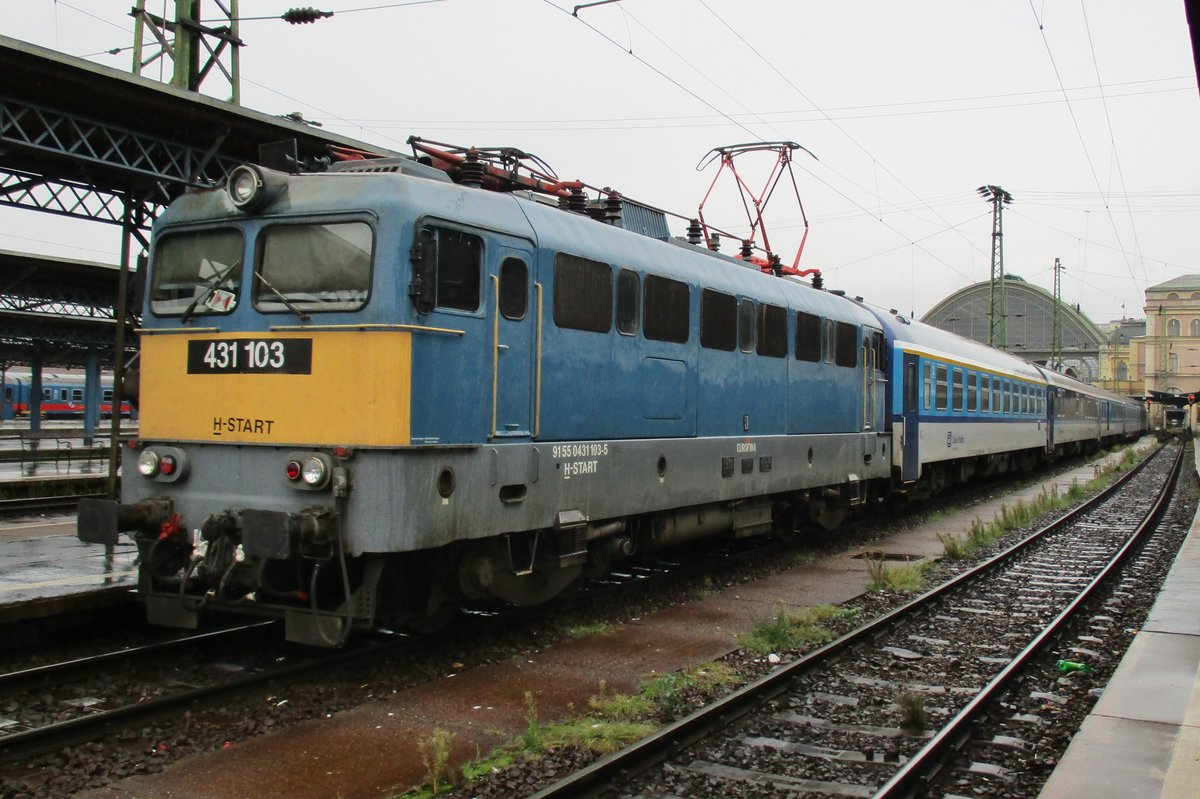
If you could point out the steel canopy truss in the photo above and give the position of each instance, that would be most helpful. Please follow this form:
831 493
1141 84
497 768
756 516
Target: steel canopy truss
80 144
68 198
61 342
64 303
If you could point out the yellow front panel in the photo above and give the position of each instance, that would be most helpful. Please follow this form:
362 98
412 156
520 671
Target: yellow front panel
356 395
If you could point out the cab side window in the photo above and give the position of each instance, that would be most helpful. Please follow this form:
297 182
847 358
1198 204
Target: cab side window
447 270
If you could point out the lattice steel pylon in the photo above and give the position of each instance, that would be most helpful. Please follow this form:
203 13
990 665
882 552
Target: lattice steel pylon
1056 347
181 41
997 331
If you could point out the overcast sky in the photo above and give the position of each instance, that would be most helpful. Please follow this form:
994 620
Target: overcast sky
1086 112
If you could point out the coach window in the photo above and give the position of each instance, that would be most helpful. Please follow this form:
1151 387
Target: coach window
997 402
629 302
514 289
718 320
956 389
972 392
910 387
847 344
77 394
943 387
772 331
808 337
327 267
583 293
985 393
746 325
665 310
929 385
197 273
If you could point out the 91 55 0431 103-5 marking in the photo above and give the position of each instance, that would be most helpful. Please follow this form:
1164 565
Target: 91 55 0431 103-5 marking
250 356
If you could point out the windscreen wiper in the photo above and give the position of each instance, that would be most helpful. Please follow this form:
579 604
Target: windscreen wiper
209 288
303 316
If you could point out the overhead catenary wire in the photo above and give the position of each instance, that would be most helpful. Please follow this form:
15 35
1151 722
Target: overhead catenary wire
1086 154
1113 139
752 133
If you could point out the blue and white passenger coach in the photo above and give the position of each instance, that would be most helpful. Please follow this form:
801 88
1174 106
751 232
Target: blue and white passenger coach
960 408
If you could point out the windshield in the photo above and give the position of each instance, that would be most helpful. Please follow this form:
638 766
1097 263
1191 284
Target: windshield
201 271
314 267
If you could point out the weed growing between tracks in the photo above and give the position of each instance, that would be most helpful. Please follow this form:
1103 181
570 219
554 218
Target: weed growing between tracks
612 721
904 579
789 631
1022 513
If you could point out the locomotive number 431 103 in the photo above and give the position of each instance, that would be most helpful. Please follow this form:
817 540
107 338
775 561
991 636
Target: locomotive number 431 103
250 356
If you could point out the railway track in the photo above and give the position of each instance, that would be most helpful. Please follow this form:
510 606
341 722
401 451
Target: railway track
828 724
65 503
52 706
59 704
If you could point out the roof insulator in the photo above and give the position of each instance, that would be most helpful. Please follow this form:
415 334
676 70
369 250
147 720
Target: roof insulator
612 208
303 16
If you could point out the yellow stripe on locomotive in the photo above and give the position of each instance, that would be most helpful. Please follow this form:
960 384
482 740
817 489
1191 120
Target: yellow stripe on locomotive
320 387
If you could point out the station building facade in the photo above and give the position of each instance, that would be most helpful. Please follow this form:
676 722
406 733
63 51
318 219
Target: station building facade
1167 357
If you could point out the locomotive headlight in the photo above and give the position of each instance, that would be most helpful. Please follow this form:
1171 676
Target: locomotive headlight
315 472
251 187
245 183
162 464
147 463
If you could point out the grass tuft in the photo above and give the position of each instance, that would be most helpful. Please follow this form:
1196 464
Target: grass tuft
901 579
792 631
911 711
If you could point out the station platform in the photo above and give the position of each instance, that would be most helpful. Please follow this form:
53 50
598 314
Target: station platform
1142 739
45 570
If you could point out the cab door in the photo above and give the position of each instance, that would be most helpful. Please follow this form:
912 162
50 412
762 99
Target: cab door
514 315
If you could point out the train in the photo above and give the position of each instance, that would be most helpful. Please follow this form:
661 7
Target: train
62 396
1175 423
379 389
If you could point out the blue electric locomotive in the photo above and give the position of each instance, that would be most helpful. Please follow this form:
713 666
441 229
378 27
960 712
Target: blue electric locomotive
371 393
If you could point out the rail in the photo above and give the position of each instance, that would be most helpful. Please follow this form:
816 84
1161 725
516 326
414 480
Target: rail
621 767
